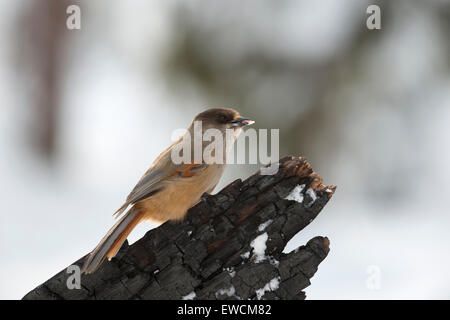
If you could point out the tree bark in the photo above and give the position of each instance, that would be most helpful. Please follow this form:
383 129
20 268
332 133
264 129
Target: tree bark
229 246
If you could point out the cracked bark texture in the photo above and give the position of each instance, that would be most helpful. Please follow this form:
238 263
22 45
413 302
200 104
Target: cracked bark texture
213 254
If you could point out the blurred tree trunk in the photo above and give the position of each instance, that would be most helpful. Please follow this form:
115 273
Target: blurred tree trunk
41 47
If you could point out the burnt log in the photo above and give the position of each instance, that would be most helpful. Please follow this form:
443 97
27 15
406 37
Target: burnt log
229 246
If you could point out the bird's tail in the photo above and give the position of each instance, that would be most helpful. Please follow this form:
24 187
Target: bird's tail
113 240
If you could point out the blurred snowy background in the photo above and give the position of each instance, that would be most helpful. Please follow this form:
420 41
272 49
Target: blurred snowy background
83 113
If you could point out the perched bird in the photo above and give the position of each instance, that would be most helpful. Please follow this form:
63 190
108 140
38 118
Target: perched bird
167 190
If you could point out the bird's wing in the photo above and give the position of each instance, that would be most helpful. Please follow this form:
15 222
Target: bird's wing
153 181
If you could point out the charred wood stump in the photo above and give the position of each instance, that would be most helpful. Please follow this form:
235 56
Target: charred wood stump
229 246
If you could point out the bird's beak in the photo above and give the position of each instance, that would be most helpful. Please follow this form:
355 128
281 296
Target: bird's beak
241 122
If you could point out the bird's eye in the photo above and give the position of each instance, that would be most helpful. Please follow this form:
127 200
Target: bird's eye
221 118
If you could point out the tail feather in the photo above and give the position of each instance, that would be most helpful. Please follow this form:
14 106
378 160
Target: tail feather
120 210
112 241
